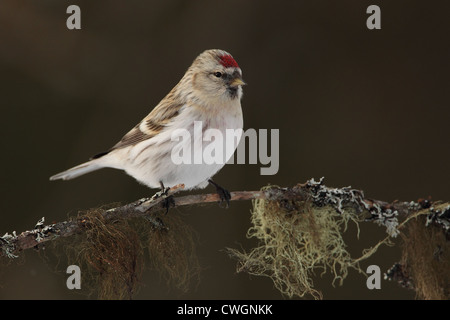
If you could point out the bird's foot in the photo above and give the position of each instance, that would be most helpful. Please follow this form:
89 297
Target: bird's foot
168 201
224 195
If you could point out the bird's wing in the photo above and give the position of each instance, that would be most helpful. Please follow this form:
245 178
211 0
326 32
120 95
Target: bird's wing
149 127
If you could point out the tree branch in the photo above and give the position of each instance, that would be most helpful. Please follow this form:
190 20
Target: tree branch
381 212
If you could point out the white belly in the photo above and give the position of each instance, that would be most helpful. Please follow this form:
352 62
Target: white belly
151 162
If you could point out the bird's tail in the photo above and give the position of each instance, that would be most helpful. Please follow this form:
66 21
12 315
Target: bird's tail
78 170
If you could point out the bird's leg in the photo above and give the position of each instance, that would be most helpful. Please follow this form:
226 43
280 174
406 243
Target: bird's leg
224 194
168 200
164 190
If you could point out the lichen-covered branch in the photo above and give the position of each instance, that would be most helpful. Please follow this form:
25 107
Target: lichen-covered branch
381 212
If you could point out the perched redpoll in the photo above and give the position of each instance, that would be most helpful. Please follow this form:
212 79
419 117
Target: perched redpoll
207 97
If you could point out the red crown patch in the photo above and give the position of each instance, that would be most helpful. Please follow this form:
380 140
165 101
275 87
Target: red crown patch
228 62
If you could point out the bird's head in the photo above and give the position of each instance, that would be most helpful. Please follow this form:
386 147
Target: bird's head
216 75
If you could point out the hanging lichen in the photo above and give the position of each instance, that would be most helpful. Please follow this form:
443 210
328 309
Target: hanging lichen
172 252
296 239
112 253
426 258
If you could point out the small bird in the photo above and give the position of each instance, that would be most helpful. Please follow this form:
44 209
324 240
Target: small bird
209 93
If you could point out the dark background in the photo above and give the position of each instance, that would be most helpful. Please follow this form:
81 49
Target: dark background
366 108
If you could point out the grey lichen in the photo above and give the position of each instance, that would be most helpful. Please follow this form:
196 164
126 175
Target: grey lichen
387 218
42 231
7 245
440 217
337 198
341 198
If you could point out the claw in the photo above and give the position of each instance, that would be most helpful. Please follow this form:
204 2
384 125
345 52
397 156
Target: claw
168 201
224 195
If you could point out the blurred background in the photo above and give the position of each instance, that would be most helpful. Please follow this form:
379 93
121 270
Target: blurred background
366 108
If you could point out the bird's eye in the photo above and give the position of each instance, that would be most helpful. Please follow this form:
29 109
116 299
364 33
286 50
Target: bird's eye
218 74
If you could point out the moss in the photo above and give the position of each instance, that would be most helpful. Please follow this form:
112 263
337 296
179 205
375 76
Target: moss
172 252
426 256
295 241
109 255
112 254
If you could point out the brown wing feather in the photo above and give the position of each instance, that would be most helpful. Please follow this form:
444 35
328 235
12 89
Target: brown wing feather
134 136
154 123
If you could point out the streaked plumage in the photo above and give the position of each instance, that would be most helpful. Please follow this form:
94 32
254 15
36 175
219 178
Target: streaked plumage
201 95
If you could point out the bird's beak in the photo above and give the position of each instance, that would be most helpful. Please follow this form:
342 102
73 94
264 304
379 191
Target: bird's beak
237 82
